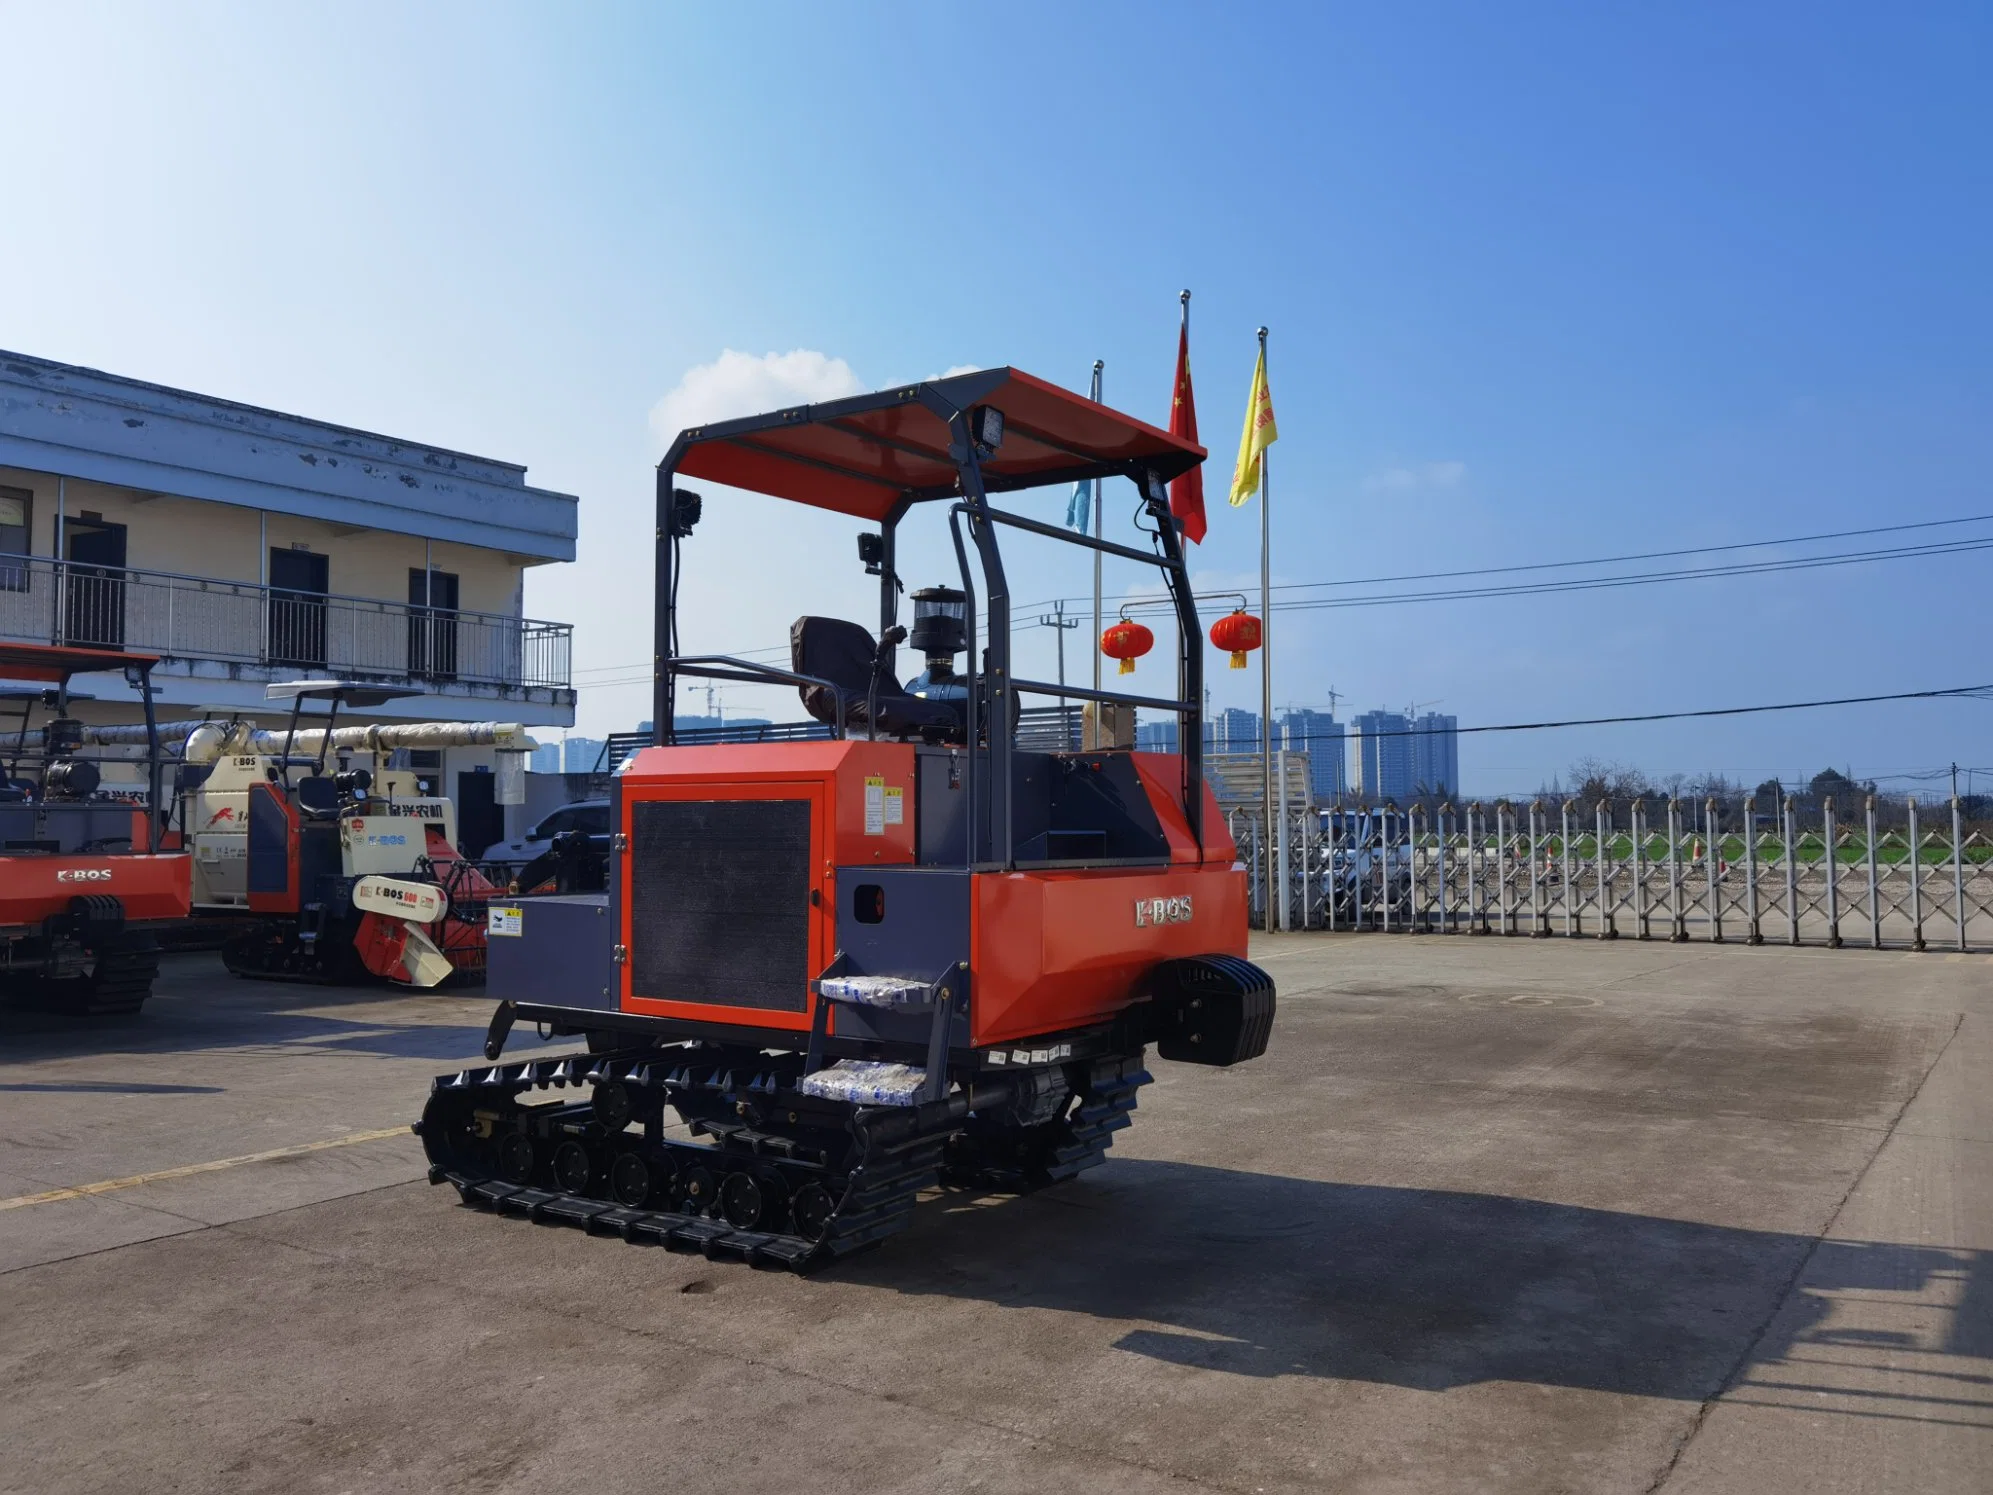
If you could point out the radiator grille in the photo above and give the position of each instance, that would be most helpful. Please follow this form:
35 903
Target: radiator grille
719 902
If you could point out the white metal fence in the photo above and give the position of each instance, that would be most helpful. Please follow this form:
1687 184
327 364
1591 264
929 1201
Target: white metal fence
196 617
1900 876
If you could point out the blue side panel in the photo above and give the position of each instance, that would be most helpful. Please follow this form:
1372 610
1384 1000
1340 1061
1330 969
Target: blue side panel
269 842
923 930
561 956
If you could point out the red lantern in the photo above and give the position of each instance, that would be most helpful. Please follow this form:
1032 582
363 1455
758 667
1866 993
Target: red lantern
1237 633
1127 642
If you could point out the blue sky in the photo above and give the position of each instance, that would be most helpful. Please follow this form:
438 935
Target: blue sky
1544 282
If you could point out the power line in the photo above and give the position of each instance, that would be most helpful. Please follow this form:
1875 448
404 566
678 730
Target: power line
1649 555
1977 692
1639 578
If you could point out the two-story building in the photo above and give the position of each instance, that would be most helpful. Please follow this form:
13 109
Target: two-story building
246 547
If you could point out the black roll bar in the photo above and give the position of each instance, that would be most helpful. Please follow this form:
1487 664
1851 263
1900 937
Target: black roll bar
726 667
1112 697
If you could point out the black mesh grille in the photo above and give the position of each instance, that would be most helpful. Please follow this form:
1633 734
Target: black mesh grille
720 902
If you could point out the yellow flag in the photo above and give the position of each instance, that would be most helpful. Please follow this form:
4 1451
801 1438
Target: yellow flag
1259 434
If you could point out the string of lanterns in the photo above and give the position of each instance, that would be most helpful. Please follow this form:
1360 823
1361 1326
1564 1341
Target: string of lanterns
1238 633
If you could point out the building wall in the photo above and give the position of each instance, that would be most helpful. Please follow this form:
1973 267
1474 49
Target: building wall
1322 738
192 537
1383 756
1436 753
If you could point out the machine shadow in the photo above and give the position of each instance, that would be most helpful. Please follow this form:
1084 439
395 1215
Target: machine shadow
1264 1276
197 1006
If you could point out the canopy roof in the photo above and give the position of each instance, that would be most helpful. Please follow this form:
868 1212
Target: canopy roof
866 455
57 662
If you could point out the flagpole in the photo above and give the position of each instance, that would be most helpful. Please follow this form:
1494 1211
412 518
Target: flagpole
1098 495
1266 670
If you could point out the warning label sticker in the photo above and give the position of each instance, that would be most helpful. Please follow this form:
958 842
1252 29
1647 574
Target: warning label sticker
875 806
504 919
896 806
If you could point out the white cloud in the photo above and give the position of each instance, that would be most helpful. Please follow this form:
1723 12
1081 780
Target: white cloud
1418 475
737 384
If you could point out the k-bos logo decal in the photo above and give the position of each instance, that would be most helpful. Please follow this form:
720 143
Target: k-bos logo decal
1161 911
83 874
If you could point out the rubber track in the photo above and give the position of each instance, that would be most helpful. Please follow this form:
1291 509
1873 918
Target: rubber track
879 1198
121 981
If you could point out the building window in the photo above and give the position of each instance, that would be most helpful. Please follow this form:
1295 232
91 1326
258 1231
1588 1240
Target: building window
16 510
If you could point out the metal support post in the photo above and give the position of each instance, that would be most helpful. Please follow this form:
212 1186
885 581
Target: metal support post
1791 869
1916 879
1874 902
1280 834
1573 921
1477 922
1714 863
1387 875
1756 936
1637 814
1504 877
1445 912
1832 853
1334 872
1608 929
1958 868
1536 871
1680 929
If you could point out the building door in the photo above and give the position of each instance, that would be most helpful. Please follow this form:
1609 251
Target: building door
298 584
432 625
94 613
480 817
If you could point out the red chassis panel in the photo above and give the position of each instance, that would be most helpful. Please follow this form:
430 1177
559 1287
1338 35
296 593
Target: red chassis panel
150 887
1050 949
833 777
1060 949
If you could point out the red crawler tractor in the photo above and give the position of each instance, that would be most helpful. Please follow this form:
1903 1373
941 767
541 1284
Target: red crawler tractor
852 967
85 884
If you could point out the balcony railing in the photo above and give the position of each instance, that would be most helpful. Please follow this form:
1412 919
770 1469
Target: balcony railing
199 617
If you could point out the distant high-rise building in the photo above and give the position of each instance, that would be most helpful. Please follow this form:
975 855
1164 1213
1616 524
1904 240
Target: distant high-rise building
546 758
580 754
1156 737
1383 755
1235 731
1436 754
1321 737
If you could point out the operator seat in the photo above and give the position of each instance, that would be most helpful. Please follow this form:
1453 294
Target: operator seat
843 653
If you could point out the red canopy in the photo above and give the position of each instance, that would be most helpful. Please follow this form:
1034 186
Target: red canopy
57 662
865 455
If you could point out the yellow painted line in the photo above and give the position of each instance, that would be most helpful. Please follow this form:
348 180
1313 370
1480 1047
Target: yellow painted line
110 1185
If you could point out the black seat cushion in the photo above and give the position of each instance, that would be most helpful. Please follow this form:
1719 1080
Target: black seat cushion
318 797
842 653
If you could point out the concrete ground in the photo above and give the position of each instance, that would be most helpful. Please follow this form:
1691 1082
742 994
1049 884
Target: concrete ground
1491 1215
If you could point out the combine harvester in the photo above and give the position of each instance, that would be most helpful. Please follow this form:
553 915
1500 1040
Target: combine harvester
86 884
324 863
853 966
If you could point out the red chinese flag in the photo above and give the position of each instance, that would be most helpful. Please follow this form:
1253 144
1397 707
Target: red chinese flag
1187 492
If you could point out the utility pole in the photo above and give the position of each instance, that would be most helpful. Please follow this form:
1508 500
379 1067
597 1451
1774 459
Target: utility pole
1954 781
1057 619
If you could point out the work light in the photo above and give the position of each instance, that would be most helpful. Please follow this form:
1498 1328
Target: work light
986 425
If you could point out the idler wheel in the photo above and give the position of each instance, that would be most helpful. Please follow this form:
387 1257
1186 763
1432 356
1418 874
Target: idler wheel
515 1158
631 1180
811 1211
573 1168
612 1105
698 1189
